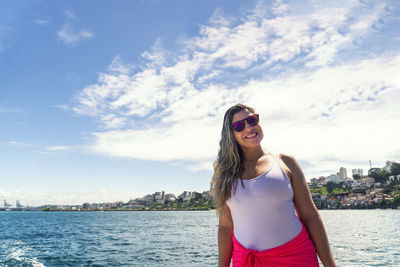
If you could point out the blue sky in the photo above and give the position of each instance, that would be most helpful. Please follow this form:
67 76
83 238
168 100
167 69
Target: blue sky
106 101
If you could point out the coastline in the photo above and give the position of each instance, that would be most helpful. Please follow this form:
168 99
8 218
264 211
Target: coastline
166 210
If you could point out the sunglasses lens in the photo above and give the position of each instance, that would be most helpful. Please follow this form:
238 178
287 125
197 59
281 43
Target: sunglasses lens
238 126
252 120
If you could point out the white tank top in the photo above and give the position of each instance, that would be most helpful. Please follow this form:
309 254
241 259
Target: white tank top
263 211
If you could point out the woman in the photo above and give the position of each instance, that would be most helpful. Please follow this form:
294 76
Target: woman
266 213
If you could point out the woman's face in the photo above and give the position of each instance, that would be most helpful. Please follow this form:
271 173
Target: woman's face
250 136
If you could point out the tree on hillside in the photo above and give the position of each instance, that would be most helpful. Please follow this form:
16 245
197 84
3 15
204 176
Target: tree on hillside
356 177
380 175
373 172
396 198
330 186
395 168
198 196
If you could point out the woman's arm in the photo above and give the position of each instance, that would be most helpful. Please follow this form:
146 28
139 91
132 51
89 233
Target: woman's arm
307 211
225 232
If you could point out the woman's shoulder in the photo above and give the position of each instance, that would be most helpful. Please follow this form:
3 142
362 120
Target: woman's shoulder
292 164
286 161
286 157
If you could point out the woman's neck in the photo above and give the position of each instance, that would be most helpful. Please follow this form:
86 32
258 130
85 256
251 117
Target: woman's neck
253 154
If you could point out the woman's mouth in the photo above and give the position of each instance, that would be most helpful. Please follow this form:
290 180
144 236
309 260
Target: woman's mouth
250 136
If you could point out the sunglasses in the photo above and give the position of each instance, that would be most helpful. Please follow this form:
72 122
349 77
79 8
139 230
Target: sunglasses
240 125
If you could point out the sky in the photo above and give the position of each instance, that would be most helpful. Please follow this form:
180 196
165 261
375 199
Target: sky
103 101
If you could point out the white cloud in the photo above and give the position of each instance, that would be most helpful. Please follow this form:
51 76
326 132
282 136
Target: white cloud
69 34
70 14
117 66
156 56
65 198
355 128
12 110
372 20
63 107
14 143
58 148
280 8
312 104
162 143
46 150
41 21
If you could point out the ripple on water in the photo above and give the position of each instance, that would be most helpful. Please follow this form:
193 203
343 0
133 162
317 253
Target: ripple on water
357 238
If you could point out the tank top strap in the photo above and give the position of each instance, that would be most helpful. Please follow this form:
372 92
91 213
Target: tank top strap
275 161
274 156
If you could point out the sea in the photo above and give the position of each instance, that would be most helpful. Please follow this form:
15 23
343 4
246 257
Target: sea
173 238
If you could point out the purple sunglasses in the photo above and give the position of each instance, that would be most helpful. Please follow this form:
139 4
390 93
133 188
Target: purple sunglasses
240 125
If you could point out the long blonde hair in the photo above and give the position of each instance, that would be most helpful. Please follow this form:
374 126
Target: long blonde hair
228 166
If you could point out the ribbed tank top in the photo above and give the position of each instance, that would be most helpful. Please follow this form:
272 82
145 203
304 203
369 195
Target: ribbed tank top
263 211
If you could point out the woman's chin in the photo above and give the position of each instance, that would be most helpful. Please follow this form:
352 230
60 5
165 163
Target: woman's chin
251 144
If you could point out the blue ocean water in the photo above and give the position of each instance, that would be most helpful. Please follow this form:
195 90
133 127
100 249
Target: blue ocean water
178 238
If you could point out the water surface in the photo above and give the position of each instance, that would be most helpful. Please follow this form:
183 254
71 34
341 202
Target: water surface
176 238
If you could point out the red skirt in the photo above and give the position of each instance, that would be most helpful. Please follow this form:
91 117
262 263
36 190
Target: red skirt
299 251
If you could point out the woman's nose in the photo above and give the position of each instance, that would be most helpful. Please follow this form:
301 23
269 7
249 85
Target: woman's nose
247 125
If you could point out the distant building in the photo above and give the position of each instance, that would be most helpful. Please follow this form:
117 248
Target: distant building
359 184
207 195
369 182
342 173
187 195
323 180
358 171
187 198
332 178
170 197
394 177
6 205
148 199
348 181
157 196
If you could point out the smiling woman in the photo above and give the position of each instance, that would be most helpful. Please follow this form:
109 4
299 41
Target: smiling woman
270 218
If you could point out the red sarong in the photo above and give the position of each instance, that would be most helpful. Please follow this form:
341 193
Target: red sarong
299 251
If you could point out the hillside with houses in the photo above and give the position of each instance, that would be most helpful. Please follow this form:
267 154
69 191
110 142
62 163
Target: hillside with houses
380 188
